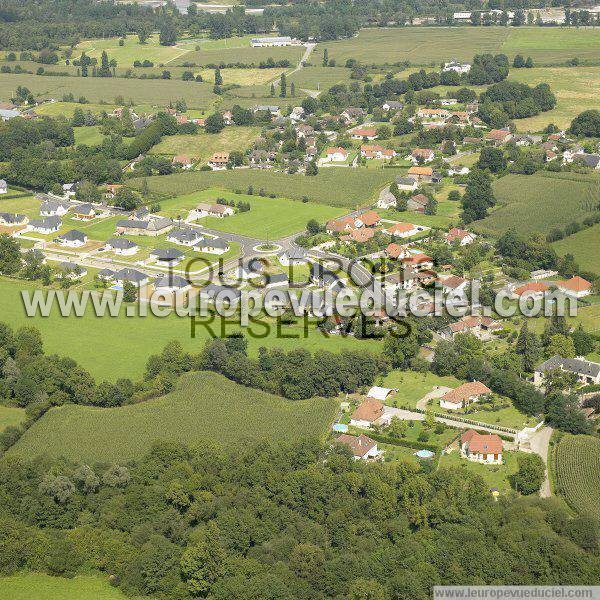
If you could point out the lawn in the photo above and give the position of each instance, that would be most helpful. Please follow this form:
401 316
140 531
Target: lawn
541 202
90 136
110 348
576 90
268 218
24 205
158 92
10 416
495 476
413 386
584 246
430 46
30 586
349 188
204 408
204 145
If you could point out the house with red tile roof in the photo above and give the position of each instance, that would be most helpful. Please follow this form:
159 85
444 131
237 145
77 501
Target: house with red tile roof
460 236
340 225
498 136
534 289
396 251
367 413
362 446
576 286
376 151
464 395
362 235
368 219
418 261
335 155
403 229
421 155
359 133
481 448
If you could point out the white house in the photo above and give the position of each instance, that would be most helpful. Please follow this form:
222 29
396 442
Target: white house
460 236
212 246
184 237
274 41
295 256
576 286
72 239
53 209
362 446
370 411
335 155
457 67
136 277
588 373
454 283
464 395
122 246
170 283
481 448
214 210
3 187
70 270
45 226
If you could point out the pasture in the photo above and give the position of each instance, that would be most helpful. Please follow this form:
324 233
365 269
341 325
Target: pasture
584 246
203 145
28 586
159 92
204 408
90 135
541 202
577 459
319 78
576 89
348 188
10 416
236 50
431 45
110 348
268 218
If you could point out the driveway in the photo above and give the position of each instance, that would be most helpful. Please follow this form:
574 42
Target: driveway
540 444
438 392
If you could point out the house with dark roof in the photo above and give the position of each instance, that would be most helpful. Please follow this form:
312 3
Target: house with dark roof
587 372
12 219
220 293
122 246
45 226
153 226
294 256
212 245
84 212
106 274
184 236
72 239
132 275
171 283
70 270
169 256
50 208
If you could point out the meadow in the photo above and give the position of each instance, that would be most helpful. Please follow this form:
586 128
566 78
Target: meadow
319 78
10 416
110 348
349 188
237 50
541 202
577 473
204 145
431 45
204 408
576 89
584 246
89 135
268 218
158 92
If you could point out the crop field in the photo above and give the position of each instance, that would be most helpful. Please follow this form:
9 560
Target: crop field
44 587
204 145
110 348
584 246
576 89
209 54
349 188
204 407
319 78
430 46
268 218
578 472
10 416
541 202
241 76
140 91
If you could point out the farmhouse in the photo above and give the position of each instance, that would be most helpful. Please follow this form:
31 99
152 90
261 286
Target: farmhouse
459 236
420 155
72 239
362 447
3 187
418 203
45 226
424 174
464 395
335 155
84 212
12 219
136 277
169 256
407 183
360 133
219 161
498 136
53 209
481 448
588 373
214 210
576 286
367 413
184 237
403 230
153 226
122 246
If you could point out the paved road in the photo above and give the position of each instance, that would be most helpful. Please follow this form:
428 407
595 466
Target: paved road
305 56
540 444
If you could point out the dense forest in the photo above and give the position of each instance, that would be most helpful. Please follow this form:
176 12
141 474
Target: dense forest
290 522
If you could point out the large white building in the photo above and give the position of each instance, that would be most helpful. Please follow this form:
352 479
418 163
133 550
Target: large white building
274 41
458 67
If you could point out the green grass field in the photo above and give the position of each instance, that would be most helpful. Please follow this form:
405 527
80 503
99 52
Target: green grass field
158 92
205 407
541 202
584 246
576 90
110 348
336 187
268 218
90 136
577 473
428 46
10 416
204 145
319 78
34 586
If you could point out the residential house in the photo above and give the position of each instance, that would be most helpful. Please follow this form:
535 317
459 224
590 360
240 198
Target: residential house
589 160
298 114
220 294
69 190
171 283
454 284
361 133
138 278
368 219
424 174
433 115
214 210
84 212
111 190
464 395
335 155
458 170
212 245
3 187
418 203
168 256
480 326
376 151
274 41
271 109
153 226
587 372
570 154
396 251
6 114
250 269
392 105
323 277
352 114
72 239
340 225
50 208
370 411
12 219
70 270
304 131
219 161
421 155
122 246
407 278
483 448
403 230
409 184
459 236
45 226
228 117
362 447
448 101
184 237
535 289
498 136
418 261
457 67
359 235
106 274
294 256
276 280
576 286
183 161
